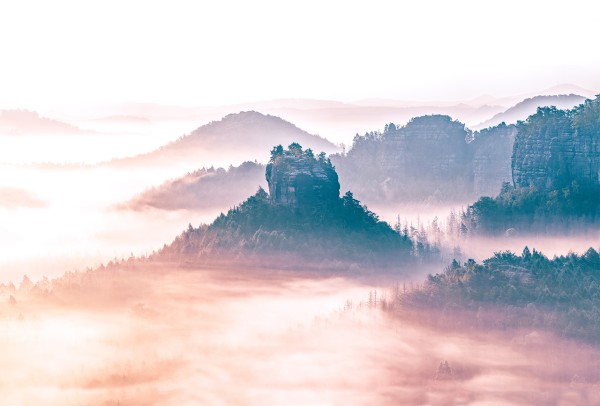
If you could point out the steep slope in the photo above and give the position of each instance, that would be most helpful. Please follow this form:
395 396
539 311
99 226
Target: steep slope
555 173
302 223
556 147
491 160
428 159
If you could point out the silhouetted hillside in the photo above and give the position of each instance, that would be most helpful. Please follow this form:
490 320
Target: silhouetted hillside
510 291
303 222
527 107
25 122
556 175
432 158
237 137
203 189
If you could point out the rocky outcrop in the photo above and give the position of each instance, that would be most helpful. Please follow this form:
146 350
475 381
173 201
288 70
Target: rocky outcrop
555 147
491 162
432 158
432 147
299 179
556 174
302 223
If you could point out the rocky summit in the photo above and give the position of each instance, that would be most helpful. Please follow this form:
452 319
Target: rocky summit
301 223
298 179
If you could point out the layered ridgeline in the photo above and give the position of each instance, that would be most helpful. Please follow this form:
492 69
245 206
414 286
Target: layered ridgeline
301 222
26 122
527 107
555 175
238 137
432 158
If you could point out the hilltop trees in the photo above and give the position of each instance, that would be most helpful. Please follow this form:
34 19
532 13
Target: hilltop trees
302 218
561 294
556 166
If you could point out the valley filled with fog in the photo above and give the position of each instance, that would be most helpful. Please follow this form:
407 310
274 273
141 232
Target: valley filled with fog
299 203
155 335
132 270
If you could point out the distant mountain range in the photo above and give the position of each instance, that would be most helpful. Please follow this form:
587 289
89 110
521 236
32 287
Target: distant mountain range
335 120
431 159
25 122
527 107
239 137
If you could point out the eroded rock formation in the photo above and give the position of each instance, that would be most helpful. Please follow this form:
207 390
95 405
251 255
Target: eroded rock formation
491 162
432 158
555 147
298 178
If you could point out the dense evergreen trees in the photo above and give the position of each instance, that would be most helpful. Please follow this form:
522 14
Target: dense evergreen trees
556 169
562 294
303 220
256 228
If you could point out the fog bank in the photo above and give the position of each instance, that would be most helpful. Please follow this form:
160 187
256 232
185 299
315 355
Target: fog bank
170 337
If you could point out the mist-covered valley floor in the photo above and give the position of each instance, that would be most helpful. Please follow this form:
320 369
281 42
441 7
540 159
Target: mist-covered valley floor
144 332
168 336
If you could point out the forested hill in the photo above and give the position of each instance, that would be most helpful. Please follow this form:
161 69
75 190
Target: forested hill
530 290
302 222
205 188
242 136
432 158
556 174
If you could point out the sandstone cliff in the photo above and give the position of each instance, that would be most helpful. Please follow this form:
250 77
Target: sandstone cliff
303 223
297 178
432 158
556 174
491 160
555 147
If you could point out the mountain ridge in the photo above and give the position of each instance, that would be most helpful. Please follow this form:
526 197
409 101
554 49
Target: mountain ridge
528 106
28 122
245 136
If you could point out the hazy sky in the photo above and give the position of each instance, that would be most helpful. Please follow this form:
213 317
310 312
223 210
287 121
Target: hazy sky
202 53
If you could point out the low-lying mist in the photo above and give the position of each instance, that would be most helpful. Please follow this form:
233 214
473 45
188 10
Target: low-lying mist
429 223
55 219
163 336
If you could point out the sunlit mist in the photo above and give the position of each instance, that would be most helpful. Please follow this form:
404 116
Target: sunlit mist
180 337
299 203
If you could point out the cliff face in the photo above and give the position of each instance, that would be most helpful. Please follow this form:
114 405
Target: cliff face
302 223
296 178
554 147
432 147
432 158
491 162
